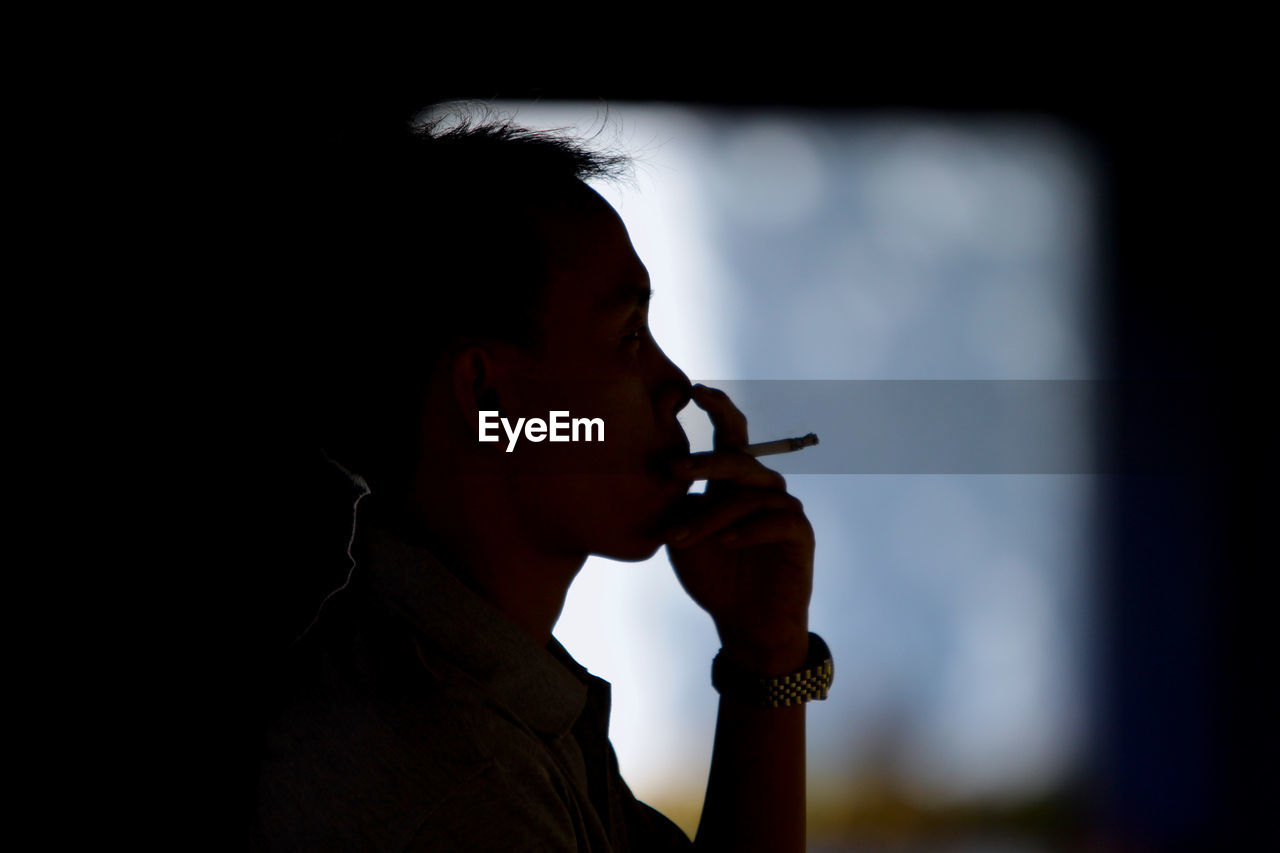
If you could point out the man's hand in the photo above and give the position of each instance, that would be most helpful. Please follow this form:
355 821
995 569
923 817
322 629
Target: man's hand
744 549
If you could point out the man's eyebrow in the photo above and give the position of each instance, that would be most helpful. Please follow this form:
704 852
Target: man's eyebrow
632 295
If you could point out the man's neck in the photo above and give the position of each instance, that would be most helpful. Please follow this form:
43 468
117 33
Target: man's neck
512 575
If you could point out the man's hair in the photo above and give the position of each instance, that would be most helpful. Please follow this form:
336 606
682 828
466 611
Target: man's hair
441 246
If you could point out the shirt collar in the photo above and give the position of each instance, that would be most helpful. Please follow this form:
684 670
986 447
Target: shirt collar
544 687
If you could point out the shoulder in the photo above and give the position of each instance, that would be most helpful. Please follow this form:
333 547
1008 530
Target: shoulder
370 750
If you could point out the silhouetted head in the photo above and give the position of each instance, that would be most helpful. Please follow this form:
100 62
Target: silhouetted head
486 275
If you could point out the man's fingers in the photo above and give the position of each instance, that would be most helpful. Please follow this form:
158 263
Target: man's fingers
730 425
715 516
767 528
731 466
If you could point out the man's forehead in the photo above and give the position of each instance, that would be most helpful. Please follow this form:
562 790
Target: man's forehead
594 260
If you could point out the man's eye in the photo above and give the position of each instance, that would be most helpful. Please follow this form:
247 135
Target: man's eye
637 335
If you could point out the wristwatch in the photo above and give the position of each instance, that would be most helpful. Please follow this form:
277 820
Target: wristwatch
811 681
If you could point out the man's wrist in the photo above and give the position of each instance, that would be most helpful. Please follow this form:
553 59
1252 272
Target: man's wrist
807 680
778 657
768 662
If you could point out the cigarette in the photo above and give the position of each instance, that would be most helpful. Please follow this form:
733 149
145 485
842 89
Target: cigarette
782 445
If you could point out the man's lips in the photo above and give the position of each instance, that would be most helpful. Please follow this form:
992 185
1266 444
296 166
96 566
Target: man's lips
661 461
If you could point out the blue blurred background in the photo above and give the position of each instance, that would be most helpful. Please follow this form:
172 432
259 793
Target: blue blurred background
790 245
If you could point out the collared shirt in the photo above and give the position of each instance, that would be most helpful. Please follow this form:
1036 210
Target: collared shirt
416 717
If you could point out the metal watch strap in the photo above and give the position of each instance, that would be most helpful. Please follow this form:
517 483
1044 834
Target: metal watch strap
812 681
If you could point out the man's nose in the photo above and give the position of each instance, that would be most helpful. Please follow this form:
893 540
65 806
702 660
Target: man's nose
673 390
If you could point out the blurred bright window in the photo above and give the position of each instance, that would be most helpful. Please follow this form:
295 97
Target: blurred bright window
793 245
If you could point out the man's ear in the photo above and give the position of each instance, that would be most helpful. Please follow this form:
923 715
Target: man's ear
473 371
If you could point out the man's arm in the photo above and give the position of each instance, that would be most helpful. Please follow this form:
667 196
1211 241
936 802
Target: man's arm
756 792
745 554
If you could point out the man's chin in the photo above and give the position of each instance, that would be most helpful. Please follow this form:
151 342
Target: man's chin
646 538
634 552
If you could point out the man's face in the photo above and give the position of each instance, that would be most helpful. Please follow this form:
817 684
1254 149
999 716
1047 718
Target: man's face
599 360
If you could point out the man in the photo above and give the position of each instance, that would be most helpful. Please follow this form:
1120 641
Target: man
428 707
